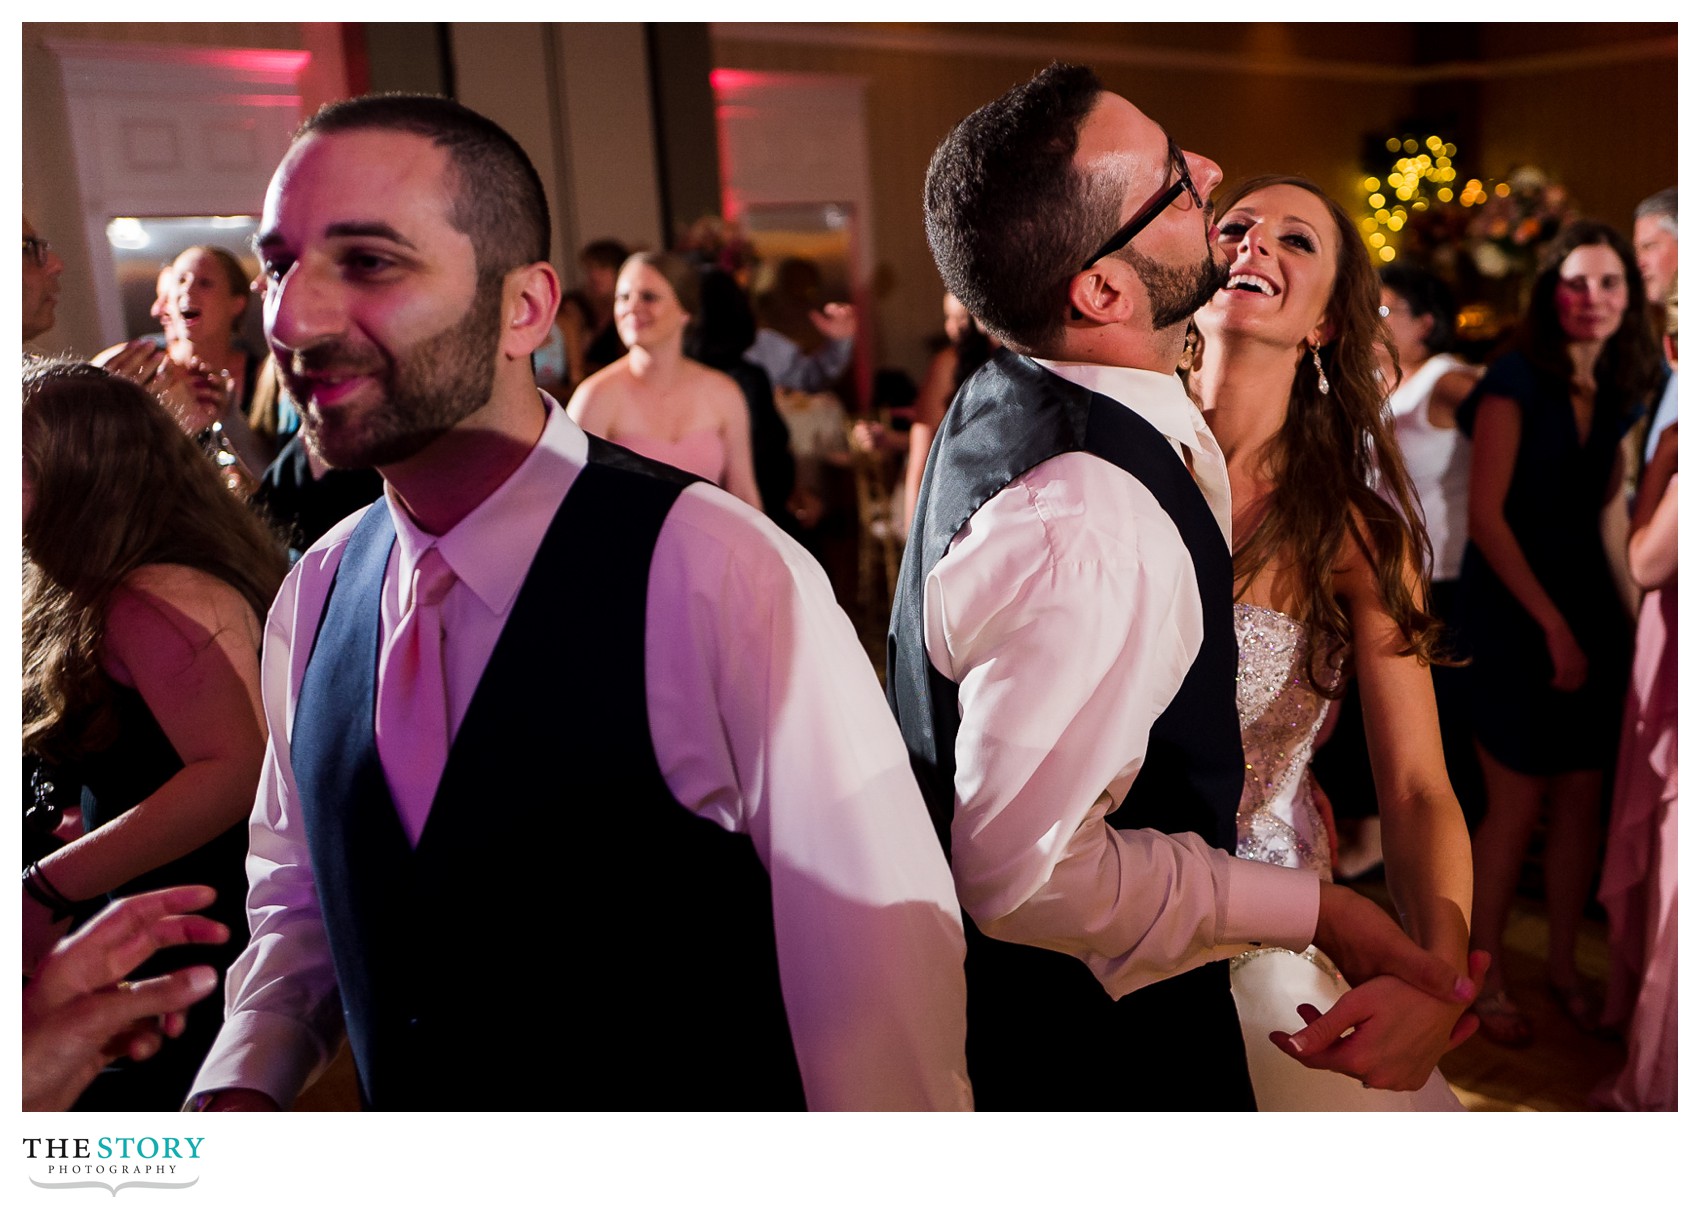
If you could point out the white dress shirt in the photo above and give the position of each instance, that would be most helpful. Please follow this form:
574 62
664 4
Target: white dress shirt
1067 610
766 718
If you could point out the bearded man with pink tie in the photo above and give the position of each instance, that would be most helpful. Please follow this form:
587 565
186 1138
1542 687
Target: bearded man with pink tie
550 717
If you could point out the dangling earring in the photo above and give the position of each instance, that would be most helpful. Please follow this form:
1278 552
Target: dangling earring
1190 350
1321 375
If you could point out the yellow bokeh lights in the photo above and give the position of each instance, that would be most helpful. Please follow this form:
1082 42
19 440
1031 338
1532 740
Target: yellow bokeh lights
1421 174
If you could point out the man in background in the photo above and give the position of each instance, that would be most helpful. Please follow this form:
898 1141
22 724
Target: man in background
41 270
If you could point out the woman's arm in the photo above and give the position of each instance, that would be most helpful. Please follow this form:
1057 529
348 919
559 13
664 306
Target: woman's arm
189 644
930 404
1653 542
740 477
1423 832
1493 457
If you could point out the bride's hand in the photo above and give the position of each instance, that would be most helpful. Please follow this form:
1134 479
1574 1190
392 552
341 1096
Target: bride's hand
1385 1033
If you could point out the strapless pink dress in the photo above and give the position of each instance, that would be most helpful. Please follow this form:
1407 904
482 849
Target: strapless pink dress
702 452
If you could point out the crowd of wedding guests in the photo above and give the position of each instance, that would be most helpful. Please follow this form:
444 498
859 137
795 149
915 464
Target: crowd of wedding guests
168 486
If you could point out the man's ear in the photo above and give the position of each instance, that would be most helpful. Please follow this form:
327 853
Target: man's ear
1102 293
531 295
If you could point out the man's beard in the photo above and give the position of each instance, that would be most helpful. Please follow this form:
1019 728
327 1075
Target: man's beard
1176 292
427 390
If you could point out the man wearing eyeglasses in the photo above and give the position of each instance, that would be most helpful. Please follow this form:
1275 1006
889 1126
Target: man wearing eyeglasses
1062 656
42 268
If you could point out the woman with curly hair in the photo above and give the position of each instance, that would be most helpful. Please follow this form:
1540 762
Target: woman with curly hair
1329 560
1547 634
145 584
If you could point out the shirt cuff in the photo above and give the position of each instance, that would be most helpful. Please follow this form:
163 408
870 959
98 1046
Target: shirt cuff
1268 906
262 1051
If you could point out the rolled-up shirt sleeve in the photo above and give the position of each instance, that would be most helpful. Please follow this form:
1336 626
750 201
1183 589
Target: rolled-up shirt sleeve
1069 630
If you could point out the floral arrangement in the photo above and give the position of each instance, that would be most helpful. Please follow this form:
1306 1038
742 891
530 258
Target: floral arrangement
1484 237
1520 214
714 241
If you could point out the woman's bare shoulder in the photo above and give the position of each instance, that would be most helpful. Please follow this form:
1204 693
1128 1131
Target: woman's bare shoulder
600 393
169 612
717 390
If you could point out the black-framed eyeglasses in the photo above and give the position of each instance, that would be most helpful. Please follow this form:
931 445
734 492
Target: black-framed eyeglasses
1144 216
36 249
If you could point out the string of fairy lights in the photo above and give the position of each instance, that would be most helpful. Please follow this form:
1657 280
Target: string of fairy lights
1422 177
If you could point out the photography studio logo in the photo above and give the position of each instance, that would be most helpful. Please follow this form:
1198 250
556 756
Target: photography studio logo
113 1163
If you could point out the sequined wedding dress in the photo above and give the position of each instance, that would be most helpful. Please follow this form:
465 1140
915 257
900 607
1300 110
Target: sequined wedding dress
1279 823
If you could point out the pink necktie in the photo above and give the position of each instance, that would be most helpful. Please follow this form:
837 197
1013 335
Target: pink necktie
412 723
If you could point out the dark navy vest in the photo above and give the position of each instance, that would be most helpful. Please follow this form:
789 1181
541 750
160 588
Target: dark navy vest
1173 1045
607 948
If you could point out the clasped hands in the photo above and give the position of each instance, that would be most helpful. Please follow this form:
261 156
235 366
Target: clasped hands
195 395
1405 1010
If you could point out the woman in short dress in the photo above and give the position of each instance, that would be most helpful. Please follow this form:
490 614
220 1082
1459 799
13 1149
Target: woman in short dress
1546 631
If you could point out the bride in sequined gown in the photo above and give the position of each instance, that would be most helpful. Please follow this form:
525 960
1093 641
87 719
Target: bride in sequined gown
1326 584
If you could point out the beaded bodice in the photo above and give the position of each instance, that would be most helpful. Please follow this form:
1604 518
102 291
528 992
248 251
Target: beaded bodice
1280 713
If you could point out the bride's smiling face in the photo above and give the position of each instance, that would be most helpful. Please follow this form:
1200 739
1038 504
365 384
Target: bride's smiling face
1281 247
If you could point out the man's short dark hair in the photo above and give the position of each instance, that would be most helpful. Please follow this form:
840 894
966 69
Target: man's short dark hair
609 254
1660 206
498 198
1009 217
1426 295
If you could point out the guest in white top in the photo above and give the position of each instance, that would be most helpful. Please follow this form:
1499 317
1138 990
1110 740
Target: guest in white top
1427 386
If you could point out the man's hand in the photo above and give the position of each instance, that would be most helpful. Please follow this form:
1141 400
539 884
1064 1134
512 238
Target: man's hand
1365 943
1397 1033
1569 662
79 1013
836 321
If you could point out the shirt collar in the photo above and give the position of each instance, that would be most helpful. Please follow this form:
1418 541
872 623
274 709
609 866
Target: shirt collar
1162 400
1158 398
479 548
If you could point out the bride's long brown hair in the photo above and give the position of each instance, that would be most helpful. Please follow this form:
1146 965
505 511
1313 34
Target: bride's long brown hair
1327 459
115 486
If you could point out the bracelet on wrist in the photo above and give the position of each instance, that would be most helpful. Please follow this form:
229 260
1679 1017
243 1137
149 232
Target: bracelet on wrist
43 891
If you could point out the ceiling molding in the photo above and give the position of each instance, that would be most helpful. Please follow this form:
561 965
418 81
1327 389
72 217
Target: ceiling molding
1001 46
